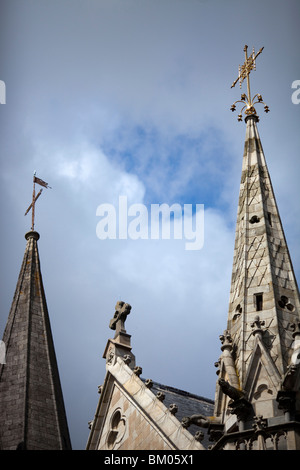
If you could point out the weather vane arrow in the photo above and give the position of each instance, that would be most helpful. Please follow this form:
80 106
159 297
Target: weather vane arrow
244 72
35 197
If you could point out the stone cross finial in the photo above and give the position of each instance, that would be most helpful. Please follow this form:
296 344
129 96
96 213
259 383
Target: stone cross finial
118 321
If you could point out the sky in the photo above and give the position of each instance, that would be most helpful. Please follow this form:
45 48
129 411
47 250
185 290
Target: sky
131 98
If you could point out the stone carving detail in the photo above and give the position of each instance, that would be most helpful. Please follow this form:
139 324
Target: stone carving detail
262 388
254 219
284 303
286 397
199 436
173 408
122 310
263 440
238 312
295 327
127 359
198 420
137 370
110 357
214 425
226 340
239 404
260 426
217 364
286 400
117 429
230 391
149 383
160 396
256 326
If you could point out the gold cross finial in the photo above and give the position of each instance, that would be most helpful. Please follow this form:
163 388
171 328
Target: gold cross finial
244 72
35 197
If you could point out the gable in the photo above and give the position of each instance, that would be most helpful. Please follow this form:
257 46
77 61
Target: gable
130 417
127 426
262 380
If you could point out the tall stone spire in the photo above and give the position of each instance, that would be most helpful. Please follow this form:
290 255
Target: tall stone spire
257 400
264 297
32 412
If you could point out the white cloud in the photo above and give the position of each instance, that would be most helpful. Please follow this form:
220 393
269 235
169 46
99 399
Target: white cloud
90 170
161 266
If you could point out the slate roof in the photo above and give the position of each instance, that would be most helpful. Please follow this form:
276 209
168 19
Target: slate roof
188 404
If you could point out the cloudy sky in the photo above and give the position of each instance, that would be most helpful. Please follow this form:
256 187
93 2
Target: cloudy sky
110 98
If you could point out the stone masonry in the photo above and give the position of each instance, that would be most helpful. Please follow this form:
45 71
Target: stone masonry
31 403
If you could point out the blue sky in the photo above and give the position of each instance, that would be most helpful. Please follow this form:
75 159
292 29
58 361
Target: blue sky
132 97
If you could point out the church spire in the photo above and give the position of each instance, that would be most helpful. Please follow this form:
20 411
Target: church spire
31 402
263 282
258 371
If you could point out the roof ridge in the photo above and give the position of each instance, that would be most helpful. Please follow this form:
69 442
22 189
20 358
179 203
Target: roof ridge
180 392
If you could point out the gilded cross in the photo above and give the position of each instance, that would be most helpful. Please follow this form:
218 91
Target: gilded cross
244 72
245 69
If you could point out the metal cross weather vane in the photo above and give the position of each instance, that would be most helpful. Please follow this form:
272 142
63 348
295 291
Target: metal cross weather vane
244 72
35 197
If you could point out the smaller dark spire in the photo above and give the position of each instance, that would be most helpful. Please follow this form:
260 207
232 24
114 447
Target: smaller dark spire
32 408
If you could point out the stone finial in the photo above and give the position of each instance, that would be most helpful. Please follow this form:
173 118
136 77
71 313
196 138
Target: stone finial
257 326
137 370
149 383
173 408
119 346
199 436
118 321
160 396
226 340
